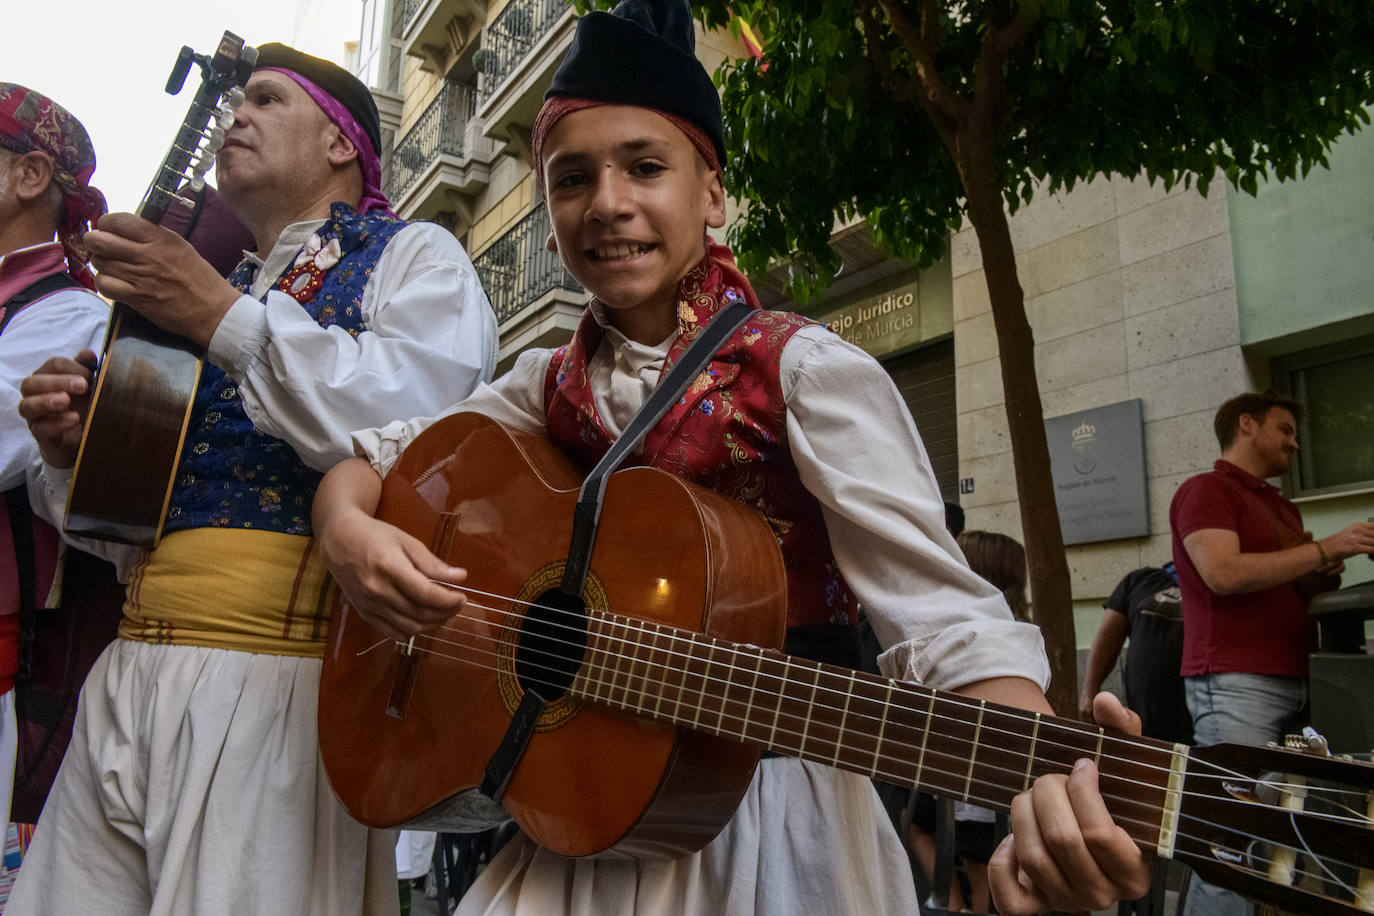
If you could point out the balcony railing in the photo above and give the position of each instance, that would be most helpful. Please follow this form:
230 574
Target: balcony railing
439 131
511 35
411 8
517 268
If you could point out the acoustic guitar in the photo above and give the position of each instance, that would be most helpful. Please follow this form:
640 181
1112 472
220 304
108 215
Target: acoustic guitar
146 382
665 686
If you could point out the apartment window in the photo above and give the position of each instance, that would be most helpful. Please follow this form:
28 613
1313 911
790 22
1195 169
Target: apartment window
1336 439
371 40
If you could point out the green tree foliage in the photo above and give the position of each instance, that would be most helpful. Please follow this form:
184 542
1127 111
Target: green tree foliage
915 114
844 116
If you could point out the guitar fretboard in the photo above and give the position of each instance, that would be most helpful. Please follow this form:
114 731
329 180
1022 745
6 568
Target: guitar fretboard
891 730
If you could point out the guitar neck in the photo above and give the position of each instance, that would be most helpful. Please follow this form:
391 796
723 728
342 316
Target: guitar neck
891 730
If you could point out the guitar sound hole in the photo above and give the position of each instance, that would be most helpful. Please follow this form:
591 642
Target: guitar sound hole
553 640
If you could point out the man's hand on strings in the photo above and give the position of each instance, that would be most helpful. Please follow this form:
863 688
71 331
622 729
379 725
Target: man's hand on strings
53 402
1064 851
157 272
387 576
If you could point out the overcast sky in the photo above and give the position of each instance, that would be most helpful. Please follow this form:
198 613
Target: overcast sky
107 62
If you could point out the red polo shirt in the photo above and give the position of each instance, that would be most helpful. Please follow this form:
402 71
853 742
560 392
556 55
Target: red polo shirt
1264 632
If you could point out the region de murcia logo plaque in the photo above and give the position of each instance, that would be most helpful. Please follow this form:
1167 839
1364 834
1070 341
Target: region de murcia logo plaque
1085 448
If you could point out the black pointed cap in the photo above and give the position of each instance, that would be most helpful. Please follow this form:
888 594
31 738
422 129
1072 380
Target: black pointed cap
346 88
642 53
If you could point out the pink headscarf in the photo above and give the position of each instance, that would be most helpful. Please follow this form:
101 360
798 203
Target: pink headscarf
371 164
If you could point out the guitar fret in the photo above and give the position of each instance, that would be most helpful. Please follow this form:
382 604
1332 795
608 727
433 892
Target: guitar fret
596 658
1030 755
925 737
706 680
882 727
615 693
660 664
753 688
810 706
977 731
607 656
844 715
606 684
725 692
777 706
636 645
682 679
1097 751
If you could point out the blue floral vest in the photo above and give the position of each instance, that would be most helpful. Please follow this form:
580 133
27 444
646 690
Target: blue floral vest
231 474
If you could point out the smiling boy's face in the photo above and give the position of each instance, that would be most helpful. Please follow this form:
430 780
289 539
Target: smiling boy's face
629 200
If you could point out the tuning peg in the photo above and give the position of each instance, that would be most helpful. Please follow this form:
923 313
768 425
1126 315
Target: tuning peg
234 97
225 118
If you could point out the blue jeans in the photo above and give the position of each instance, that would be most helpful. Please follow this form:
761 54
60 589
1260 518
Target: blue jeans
1238 708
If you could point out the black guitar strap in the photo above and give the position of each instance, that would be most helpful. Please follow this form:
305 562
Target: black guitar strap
33 292
587 515
670 389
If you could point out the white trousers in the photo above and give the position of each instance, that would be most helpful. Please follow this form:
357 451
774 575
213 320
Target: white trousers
805 839
193 787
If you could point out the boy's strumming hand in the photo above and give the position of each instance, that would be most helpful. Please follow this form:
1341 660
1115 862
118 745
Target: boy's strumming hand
387 576
1064 851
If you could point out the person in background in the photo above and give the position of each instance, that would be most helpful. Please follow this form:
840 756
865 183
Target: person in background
1246 570
1146 607
47 305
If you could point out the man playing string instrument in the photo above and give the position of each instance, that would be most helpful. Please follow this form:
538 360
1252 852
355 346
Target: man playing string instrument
192 784
790 419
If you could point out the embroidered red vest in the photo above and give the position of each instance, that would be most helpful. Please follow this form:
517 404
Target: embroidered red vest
727 433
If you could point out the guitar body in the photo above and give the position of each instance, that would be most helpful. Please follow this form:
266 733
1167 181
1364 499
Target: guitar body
134 431
594 779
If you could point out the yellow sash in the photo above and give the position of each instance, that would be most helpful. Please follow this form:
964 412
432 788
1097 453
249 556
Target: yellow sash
225 588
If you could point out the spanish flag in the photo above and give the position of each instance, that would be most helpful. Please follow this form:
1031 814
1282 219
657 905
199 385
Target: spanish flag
751 40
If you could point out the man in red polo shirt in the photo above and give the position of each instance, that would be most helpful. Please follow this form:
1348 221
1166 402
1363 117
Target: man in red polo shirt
1246 570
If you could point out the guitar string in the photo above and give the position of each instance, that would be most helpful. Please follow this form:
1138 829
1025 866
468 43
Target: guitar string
1353 817
1148 825
632 625
1354 893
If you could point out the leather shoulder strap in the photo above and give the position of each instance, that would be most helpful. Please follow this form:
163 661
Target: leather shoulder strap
33 292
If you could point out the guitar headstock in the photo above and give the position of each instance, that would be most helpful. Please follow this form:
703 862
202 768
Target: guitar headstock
1294 829
202 132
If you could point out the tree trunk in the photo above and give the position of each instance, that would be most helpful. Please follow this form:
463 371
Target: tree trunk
1044 541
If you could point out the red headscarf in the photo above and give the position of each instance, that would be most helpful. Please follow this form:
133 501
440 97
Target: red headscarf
556 107
31 121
